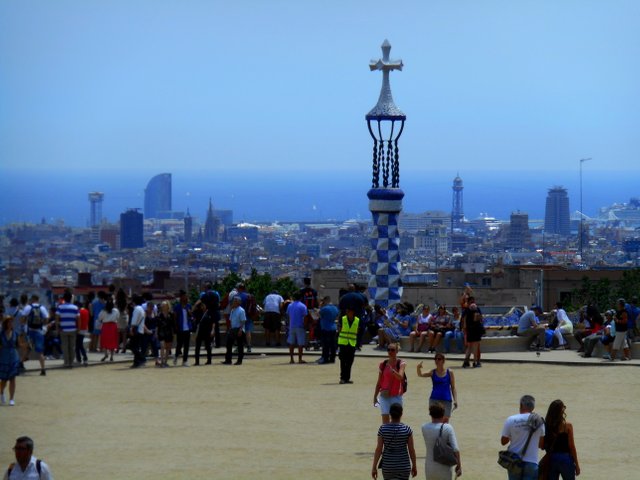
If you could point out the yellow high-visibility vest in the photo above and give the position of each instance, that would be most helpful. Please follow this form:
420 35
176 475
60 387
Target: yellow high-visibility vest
348 334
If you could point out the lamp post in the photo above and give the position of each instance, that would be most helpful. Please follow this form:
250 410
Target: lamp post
582 160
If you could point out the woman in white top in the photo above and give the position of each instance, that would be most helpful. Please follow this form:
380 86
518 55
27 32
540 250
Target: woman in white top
421 330
431 431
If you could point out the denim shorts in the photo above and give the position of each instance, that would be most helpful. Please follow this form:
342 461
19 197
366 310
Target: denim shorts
386 402
297 336
37 340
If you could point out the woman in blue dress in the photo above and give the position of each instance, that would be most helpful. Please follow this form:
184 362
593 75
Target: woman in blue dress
9 360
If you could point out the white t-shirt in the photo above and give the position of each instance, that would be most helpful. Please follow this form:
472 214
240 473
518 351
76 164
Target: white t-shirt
137 319
272 303
516 428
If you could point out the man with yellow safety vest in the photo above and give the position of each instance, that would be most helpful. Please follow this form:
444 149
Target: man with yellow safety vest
347 340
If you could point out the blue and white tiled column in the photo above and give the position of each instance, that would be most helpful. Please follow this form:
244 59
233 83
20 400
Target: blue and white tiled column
385 285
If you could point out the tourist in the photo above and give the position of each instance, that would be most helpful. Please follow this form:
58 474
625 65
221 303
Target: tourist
563 327
443 389
474 329
83 331
389 387
431 431
529 326
296 312
9 360
622 325
328 316
592 321
524 432
561 458
272 318
455 333
395 447
138 330
108 318
421 329
438 326
183 318
37 317
205 331
166 327
123 319
236 334
67 316
27 466
97 304
211 300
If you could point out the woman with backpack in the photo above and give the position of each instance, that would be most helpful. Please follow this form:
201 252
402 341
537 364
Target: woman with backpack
443 391
391 382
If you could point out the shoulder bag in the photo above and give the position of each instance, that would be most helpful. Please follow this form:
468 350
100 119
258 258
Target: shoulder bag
442 452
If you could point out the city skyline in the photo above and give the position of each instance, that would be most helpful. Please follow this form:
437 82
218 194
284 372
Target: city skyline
278 92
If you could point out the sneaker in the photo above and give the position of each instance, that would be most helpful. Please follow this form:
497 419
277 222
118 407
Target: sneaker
477 365
606 356
626 358
185 364
11 403
465 365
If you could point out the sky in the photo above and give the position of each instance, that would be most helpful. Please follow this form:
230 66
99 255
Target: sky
267 95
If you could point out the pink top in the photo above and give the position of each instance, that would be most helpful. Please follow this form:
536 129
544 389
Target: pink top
388 382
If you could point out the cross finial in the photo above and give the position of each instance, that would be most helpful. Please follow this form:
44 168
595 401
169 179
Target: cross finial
385 108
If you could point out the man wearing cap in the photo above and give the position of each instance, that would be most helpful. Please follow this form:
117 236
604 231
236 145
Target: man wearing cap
529 326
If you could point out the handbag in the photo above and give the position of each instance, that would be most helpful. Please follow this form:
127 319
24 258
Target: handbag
512 461
442 452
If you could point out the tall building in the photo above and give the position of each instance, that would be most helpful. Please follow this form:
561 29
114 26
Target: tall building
519 235
457 211
556 214
188 227
131 229
157 197
211 225
95 214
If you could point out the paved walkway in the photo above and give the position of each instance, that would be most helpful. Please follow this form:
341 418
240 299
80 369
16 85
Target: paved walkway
553 357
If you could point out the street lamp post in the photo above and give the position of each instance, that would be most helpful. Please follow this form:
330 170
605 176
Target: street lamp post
582 160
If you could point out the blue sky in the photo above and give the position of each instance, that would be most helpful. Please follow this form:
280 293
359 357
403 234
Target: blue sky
281 87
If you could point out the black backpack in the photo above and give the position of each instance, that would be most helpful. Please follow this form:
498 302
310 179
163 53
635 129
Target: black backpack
35 320
211 300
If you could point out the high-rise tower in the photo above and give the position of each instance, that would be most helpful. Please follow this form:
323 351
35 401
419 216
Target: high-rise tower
211 225
188 227
385 122
519 235
157 197
95 214
457 211
556 214
131 229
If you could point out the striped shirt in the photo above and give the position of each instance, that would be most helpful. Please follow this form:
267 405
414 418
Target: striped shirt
68 314
395 454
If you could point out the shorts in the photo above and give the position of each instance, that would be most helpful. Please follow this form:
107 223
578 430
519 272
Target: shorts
297 336
444 403
248 326
272 321
37 340
620 341
386 402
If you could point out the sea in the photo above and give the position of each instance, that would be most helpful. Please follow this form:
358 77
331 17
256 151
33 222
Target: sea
286 196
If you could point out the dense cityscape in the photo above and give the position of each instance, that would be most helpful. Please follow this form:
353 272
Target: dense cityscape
165 250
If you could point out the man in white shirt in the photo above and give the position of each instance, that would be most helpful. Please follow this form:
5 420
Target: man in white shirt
516 431
137 330
272 318
27 466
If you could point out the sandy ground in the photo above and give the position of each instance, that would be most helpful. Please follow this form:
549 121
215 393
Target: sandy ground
269 419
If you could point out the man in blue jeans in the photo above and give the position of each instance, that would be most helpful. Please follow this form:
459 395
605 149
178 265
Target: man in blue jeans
515 432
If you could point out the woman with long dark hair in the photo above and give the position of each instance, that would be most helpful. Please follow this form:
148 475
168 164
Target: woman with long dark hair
561 458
